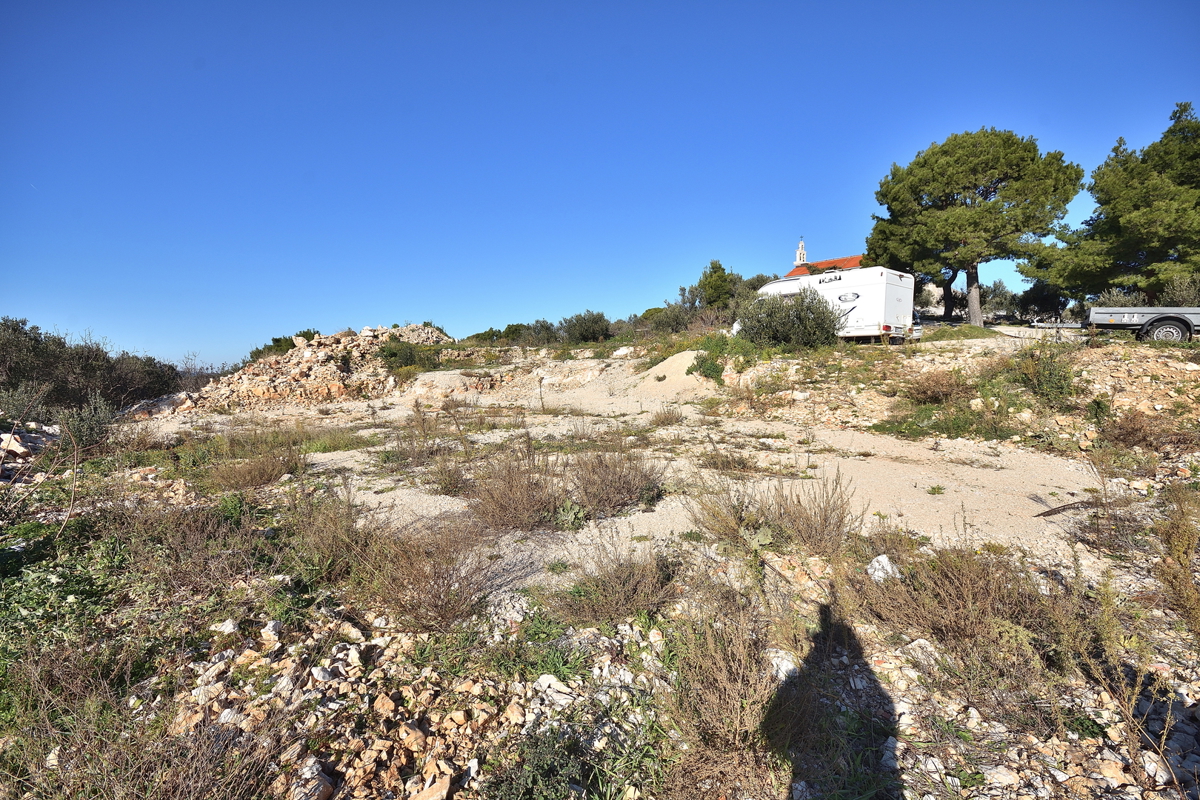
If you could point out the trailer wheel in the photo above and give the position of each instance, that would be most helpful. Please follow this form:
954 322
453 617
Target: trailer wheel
1168 331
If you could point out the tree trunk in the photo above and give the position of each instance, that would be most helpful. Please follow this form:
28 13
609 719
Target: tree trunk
974 307
948 301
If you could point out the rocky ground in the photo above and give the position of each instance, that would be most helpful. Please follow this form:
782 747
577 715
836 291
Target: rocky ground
362 706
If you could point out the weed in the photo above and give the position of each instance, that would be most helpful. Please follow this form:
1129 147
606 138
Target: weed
936 489
817 516
617 583
667 416
520 491
607 482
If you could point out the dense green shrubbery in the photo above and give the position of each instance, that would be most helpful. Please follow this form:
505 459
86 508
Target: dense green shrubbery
804 320
590 326
281 344
398 355
46 371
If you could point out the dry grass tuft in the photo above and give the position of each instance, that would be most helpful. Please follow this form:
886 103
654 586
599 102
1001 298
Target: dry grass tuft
817 516
234 476
605 482
326 532
518 491
431 575
939 386
617 583
667 416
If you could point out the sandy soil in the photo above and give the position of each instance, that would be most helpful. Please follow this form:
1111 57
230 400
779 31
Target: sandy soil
955 492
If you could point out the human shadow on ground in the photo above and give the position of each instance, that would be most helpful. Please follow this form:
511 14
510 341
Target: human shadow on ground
833 721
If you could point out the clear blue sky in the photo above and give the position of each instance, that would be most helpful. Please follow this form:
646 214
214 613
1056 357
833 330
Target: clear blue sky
181 177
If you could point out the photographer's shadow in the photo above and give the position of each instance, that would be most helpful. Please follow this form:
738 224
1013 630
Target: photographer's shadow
834 723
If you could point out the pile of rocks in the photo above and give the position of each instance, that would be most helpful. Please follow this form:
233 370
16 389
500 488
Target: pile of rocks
1141 378
398 724
325 369
19 452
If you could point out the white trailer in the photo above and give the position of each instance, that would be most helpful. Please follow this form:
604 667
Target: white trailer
875 302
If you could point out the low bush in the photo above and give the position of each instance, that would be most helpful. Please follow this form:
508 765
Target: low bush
816 516
282 344
609 481
939 386
804 320
1047 372
398 355
76 736
1007 635
431 575
66 374
728 511
724 687
618 582
548 767
518 491
1179 532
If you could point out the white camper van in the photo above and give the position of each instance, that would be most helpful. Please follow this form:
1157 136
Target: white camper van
875 302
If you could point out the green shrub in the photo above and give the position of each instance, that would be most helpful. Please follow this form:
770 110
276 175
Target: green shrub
88 426
708 367
804 320
1047 372
548 765
1182 292
397 355
590 326
282 344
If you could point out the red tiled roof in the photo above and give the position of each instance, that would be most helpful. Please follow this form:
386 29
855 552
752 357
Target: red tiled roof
846 262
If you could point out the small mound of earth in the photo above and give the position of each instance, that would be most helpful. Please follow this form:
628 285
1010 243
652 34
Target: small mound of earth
670 381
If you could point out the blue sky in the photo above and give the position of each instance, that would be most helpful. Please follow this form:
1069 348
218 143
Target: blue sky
200 177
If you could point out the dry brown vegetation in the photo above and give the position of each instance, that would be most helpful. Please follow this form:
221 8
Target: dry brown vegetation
723 692
518 491
939 386
816 516
82 740
605 482
1179 533
431 575
616 583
